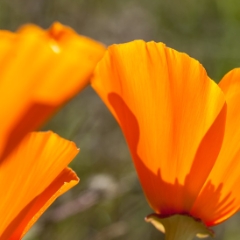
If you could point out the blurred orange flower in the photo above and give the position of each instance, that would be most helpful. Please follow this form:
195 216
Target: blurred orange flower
181 127
40 71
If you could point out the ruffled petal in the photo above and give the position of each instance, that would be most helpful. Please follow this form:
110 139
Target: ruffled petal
31 178
221 191
40 70
169 111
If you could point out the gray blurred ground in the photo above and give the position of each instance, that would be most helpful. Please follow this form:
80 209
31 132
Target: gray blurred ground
109 204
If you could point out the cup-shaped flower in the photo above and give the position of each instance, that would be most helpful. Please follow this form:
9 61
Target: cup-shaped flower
183 130
31 178
40 71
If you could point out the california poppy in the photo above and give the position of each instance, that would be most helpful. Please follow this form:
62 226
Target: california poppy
40 71
181 127
33 175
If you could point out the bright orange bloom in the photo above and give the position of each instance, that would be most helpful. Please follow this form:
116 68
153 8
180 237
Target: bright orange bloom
40 70
31 178
181 127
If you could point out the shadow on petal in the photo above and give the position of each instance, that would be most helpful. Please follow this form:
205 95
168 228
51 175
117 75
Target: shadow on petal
30 121
170 198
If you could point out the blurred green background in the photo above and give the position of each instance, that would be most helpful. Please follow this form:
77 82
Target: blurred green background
109 203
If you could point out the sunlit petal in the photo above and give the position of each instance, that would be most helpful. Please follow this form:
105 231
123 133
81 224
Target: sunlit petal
169 111
31 178
66 180
40 71
227 167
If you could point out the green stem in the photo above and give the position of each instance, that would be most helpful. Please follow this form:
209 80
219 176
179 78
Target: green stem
179 227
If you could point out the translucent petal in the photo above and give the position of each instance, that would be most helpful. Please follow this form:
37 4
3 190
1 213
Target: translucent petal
30 177
40 71
222 186
169 111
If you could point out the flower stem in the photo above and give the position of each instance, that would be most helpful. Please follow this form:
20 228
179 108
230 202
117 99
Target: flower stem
179 227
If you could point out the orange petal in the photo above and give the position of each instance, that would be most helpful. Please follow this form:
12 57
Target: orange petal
225 196
31 178
40 70
169 110
30 214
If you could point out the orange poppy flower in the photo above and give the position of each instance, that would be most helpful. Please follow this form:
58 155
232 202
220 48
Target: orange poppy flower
181 128
40 70
31 178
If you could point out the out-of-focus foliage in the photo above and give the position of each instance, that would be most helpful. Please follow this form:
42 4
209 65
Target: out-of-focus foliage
109 203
